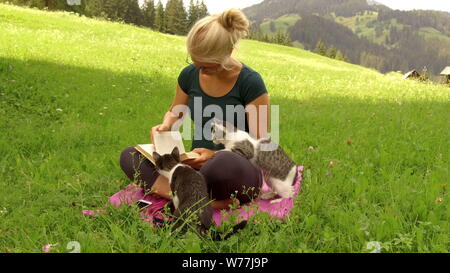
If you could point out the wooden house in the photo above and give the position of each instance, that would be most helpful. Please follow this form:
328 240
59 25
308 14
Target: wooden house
446 74
413 74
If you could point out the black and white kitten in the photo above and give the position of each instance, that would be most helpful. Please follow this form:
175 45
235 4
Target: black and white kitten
277 165
191 198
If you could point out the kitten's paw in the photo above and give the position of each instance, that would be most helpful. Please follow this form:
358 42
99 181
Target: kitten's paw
276 201
267 195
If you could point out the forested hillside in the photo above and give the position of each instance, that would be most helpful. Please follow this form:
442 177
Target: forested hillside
371 35
173 18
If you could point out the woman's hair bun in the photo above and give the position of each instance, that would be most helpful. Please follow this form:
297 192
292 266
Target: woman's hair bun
234 19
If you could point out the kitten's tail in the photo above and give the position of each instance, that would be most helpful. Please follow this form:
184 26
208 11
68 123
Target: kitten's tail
294 169
222 236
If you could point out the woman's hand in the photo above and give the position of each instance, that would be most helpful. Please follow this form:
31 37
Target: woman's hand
205 155
158 128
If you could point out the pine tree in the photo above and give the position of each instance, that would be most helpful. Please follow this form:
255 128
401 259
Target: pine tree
282 38
176 17
331 52
339 56
192 14
320 48
170 16
131 12
160 18
94 8
149 14
181 24
287 41
111 9
202 10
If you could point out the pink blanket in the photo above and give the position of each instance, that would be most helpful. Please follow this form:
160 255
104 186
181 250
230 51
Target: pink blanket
132 193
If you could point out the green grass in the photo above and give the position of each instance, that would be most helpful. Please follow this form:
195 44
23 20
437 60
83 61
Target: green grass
281 24
357 20
74 92
358 24
430 32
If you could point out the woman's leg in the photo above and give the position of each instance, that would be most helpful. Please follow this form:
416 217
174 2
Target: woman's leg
230 175
225 174
141 170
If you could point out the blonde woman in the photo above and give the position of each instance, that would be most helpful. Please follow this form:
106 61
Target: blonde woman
213 77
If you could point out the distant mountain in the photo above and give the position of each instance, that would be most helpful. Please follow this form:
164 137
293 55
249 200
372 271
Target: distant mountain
373 3
272 9
367 32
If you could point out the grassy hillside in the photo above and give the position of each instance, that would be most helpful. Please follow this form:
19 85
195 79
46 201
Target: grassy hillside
364 25
434 33
74 92
359 25
281 24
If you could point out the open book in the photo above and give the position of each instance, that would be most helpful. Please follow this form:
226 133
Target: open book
164 144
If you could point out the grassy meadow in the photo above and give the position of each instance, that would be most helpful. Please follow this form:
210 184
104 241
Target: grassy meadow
74 92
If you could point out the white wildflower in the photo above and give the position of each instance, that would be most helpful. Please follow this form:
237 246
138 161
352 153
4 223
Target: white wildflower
374 246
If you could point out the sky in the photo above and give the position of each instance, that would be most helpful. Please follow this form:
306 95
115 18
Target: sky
216 6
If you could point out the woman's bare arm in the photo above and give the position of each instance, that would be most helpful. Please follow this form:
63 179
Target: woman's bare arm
262 117
181 98
170 118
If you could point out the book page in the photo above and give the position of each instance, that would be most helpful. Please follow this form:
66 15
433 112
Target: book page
166 141
146 150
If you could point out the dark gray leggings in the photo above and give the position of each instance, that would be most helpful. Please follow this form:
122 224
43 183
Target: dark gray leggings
227 174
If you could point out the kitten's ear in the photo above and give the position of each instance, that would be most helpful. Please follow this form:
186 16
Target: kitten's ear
176 154
228 126
157 159
213 126
216 123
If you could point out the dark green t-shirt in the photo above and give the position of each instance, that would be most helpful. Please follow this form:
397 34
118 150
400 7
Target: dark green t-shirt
248 87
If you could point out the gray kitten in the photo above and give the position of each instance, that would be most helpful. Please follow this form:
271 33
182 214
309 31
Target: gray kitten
280 168
191 199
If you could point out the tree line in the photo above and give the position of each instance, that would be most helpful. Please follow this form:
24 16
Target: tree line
172 19
330 51
281 38
417 19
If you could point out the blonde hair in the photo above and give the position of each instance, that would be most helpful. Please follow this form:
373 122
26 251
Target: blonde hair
213 38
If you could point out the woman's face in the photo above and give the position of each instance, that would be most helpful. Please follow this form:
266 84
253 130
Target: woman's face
209 68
